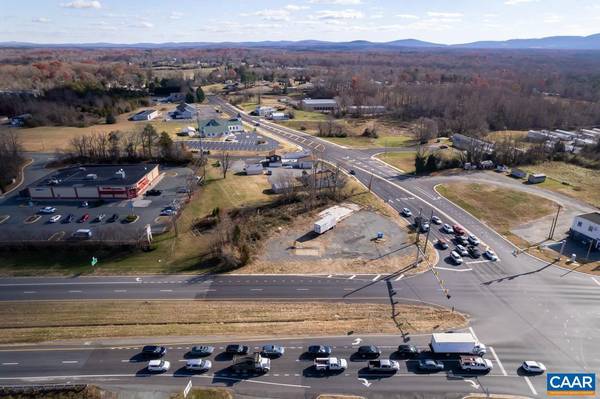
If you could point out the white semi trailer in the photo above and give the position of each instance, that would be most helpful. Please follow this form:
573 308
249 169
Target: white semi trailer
328 222
457 343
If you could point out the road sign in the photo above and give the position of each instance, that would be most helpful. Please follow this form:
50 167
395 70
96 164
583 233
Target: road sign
94 261
187 389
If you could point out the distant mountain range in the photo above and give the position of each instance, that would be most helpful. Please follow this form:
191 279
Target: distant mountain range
549 43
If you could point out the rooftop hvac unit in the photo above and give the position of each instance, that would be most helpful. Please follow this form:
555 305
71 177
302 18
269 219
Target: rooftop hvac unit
121 173
91 176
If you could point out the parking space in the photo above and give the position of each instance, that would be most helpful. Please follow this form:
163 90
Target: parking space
106 219
239 142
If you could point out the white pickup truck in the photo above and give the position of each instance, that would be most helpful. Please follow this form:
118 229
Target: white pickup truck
330 364
475 363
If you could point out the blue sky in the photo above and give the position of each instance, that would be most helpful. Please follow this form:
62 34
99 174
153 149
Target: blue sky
442 21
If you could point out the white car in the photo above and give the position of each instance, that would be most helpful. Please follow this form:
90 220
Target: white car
159 365
456 258
462 251
446 228
533 367
55 218
406 212
198 364
48 209
491 255
473 240
436 220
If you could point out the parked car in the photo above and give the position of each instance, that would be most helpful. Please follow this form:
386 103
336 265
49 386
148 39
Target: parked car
198 365
84 204
491 255
202 350
167 212
461 240
352 172
446 228
183 190
319 350
458 230
407 350
406 212
154 351
69 218
153 193
47 210
236 349
368 352
461 250
533 367
55 218
273 350
473 240
456 258
113 218
442 244
474 252
430 365
424 227
436 220
84 218
100 218
159 366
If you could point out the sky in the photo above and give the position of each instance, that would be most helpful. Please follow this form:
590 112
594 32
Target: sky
157 21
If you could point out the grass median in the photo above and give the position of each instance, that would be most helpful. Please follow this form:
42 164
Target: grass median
28 322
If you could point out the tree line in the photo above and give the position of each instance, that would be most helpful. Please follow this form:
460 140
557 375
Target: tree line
11 159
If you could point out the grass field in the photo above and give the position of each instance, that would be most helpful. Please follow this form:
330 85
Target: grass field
581 183
170 254
499 207
45 321
401 160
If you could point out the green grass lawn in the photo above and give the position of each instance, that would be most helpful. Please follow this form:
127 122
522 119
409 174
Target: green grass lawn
401 160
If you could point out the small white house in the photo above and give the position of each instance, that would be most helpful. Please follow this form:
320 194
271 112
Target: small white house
187 131
587 227
145 115
278 116
254 169
264 111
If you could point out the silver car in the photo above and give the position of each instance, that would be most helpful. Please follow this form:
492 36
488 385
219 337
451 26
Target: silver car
273 350
198 364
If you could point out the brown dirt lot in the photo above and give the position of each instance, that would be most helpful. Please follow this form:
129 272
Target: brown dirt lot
46 321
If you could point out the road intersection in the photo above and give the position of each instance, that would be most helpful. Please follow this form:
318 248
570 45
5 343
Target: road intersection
521 307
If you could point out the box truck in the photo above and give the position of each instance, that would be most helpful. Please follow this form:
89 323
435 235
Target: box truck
458 343
328 222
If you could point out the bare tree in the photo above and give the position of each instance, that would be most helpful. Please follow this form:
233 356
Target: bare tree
225 163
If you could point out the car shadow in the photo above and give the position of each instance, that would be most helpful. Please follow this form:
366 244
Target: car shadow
312 372
368 374
224 357
147 373
139 357
306 357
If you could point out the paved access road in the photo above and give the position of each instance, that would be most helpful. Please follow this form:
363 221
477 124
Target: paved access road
292 375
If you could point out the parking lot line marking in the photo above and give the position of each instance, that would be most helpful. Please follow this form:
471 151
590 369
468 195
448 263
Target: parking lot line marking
29 292
166 290
256 289
533 391
120 290
376 277
498 361
74 291
473 334
453 270
399 277
69 361
302 289
10 364
595 281
474 262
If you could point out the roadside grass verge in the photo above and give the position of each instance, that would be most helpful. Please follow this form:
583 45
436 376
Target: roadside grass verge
206 393
571 180
402 160
499 207
28 322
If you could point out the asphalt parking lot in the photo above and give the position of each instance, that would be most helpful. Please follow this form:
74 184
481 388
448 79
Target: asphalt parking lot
21 221
242 142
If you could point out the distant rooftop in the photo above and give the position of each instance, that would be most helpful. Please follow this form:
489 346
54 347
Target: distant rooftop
593 217
323 101
96 175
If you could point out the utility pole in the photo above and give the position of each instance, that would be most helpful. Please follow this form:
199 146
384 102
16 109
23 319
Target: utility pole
370 181
554 223
427 236
587 257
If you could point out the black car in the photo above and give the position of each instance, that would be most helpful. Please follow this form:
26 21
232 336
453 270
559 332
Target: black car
319 350
70 217
352 172
407 350
462 240
154 351
368 352
153 193
113 218
236 349
474 252
201 350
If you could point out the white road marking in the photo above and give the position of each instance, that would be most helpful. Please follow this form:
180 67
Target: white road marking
399 277
10 364
352 277
376 277
498 361
533 391
70 361
473 333
74 291
256 289
119 290
29 292
595 281
166 290
474 262
453 270
302 289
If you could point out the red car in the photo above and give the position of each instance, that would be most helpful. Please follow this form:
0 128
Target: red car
458 230
84 218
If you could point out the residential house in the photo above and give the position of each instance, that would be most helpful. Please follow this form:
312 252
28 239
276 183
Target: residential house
263 111
219 127
188 131
175 97
278 116
364 110
145 115
536 178
327 105
587 227
273 160
467 143
253 169
184 111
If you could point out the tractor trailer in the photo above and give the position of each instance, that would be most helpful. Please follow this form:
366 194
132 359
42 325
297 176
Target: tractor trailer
457 343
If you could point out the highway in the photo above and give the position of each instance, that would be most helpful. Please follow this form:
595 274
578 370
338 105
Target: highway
525 309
